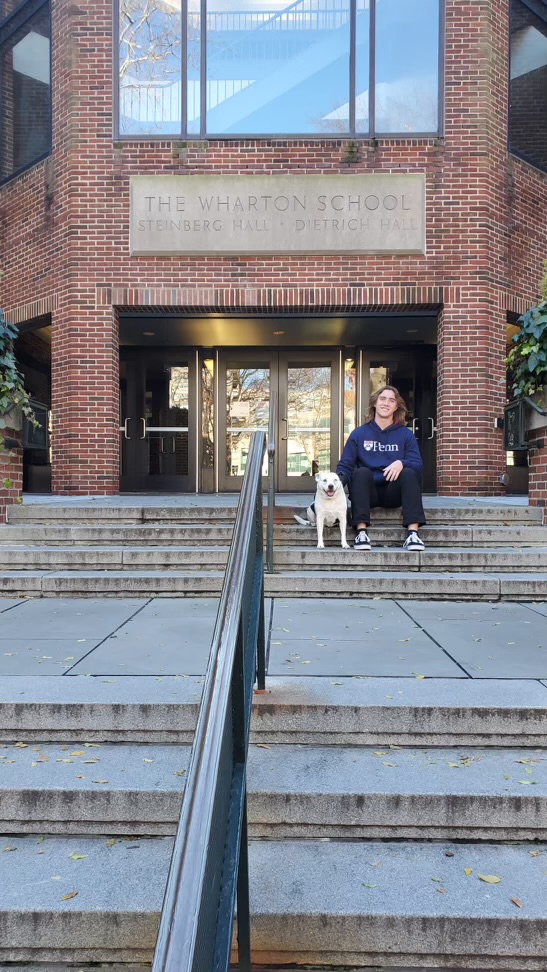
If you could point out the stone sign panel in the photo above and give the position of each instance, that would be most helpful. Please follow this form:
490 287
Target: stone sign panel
229 214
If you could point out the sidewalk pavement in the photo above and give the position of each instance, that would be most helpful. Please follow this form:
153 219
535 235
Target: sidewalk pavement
305 637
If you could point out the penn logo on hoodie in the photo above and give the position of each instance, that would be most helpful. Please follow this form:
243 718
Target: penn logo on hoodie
368 445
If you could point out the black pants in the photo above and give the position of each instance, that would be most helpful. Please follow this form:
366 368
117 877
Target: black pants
405 491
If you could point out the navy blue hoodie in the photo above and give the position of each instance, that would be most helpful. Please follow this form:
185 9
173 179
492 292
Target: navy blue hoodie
371 446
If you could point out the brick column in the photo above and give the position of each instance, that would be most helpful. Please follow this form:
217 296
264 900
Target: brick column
537 463
11 473
471 395
85 399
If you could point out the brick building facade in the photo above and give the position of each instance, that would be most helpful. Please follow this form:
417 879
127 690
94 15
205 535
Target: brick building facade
67 270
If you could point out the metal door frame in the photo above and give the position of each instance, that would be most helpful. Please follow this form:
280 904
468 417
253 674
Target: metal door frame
278 362
133 423
424 422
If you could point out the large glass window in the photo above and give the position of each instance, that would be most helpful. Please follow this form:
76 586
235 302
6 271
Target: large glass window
234 68
406 90
528 86
25 87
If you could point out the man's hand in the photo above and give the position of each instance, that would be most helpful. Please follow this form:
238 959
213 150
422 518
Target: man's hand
393 471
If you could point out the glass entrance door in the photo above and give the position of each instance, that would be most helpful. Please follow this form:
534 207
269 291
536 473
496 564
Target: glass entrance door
308 437
158 430
414 373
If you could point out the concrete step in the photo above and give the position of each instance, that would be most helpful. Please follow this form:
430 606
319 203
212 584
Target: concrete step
194 512
356 903
418 584
293 791
284 534
45 557
301 710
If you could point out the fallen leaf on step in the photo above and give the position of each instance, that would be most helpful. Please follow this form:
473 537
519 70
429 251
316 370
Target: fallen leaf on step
441 890
148 760
262 746
55 877
536 853
489 878
468 871
370 885
77 857
449 854
517 902
111 842
388 764
527 782
99 781
71 894
8 848
438 880
78 752
179 773
419 676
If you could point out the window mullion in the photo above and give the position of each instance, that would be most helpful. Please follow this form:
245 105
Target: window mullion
203 70
352 64
184 68
372 69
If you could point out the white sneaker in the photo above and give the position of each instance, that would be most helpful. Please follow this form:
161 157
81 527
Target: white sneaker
413 542
362 541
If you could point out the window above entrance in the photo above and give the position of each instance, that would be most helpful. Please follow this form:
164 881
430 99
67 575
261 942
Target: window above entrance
528 85
25 98
240 68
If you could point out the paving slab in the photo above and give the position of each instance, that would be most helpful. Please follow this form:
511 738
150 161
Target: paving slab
466 611
347 620
6 604
414 655
153 646
46 656
487 649
68 618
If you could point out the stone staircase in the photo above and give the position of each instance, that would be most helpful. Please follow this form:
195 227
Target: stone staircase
476 552
395 822
377 808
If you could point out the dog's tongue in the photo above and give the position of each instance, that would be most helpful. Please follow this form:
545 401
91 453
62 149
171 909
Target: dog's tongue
330 491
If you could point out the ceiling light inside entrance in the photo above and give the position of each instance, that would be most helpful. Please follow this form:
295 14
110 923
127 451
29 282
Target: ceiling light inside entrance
148 333
278 333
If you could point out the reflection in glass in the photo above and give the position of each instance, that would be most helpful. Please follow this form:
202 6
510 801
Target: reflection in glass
350 400
166 412
407 69
207 413
362 66
247 410
528 90
278 67
150 67
193 55
308 420
25 103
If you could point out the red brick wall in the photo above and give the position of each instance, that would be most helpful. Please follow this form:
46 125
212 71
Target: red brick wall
11 474
66 233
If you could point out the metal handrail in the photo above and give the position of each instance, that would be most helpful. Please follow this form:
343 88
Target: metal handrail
209 859
272 442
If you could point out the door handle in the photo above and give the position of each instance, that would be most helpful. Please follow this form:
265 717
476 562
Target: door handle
415 425
173 445
432 428
285 437
143 420
125 428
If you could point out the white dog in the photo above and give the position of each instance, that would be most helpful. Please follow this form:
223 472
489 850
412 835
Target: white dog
329 507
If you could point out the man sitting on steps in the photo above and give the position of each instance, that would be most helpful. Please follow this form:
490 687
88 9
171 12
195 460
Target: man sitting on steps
381 465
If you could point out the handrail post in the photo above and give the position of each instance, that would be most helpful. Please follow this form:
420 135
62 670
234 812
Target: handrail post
272 430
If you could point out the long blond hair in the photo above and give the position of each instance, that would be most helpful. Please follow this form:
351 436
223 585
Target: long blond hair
399 416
